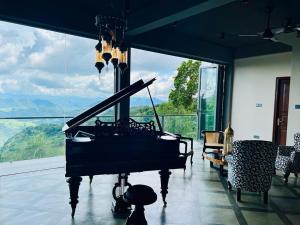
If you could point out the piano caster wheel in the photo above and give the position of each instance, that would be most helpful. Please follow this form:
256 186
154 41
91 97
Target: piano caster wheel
114 190
120 208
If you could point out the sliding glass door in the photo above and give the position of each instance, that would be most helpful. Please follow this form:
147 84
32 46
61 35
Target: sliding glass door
207 101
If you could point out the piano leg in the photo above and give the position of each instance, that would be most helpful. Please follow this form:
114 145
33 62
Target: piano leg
74 183
164 180
91 178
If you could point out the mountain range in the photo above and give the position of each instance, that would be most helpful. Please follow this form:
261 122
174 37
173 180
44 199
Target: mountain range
14 105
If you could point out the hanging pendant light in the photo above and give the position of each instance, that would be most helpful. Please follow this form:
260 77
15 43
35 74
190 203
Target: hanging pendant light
114 57
123 61
111 42
106 47
99 61
98 47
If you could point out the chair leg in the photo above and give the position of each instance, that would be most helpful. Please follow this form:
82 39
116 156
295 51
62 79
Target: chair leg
286 177
266 197
238 194
203 151
229 186
221 170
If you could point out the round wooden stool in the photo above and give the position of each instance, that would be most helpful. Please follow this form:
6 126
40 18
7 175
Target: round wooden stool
139 195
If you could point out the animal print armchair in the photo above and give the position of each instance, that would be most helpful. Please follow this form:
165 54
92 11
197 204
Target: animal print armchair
251 166
288 158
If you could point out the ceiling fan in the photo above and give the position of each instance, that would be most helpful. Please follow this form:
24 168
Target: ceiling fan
269 34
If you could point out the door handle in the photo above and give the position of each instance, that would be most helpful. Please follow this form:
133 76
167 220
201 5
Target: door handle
279 121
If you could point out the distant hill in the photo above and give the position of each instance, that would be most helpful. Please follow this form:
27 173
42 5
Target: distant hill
15 105
12 105
34 142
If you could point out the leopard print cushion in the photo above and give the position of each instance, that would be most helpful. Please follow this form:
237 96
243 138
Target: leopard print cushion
252 165
295 159
285 150
288 157
283 163
297 141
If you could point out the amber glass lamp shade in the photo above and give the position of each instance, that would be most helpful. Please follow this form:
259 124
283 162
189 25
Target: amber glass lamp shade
123 61
99 61
114 57
106 51
99 46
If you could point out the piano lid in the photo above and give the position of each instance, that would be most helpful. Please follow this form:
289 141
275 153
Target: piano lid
107 103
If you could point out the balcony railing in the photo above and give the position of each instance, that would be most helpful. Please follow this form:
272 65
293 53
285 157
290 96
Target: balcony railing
23 138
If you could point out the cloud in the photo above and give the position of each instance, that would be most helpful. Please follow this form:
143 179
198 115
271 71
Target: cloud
14 41
48 51
7 85
161 86
9 54
36 61
145 60
47 82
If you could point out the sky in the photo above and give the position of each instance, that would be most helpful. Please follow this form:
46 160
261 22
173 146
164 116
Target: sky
39 62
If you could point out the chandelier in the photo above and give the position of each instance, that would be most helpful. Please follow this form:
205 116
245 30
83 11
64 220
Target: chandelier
111 46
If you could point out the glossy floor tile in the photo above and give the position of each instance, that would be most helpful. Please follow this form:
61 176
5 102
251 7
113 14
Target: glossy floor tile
196 196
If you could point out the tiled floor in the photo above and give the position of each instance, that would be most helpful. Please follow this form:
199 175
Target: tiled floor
196 196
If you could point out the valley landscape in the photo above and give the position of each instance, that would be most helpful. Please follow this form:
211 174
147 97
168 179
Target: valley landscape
25 135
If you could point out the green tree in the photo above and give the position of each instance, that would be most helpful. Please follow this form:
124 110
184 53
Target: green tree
186 86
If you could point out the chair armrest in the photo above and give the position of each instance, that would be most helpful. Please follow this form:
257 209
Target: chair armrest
285 150
295 157
229 159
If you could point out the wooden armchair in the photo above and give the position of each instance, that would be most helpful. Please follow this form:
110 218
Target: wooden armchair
212 140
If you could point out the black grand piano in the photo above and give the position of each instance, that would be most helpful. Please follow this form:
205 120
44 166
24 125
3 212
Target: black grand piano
120 147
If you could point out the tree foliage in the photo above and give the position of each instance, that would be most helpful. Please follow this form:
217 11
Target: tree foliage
186 86
41 141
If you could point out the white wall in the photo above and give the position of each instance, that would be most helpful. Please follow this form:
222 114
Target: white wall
255 83
294 114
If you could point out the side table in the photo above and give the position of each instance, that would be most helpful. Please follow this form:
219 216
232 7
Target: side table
217 158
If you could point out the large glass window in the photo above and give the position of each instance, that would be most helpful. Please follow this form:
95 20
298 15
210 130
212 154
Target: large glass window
44 74
46 78
174 92
208 97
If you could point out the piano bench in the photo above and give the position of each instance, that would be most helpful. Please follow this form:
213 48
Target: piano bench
139 195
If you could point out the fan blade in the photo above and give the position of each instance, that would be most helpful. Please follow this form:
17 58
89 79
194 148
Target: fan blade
248 35
278 30
274 39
